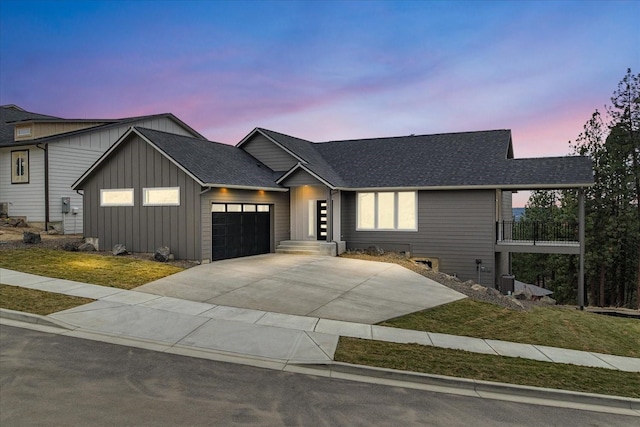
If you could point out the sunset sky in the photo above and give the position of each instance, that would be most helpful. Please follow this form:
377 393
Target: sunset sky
324 70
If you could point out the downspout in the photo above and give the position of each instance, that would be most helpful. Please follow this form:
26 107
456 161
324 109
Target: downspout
46 185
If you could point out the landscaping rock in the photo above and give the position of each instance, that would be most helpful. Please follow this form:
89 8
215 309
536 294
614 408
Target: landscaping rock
547 300
21 223
493 291
374 251
520 296
475 286
31 238
119 249
71 246
52 232
86 247
162 254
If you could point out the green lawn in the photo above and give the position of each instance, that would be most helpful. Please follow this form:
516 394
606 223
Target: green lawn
456 363
37 302
117 272
551 326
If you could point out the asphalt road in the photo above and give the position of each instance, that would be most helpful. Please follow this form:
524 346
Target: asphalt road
49 379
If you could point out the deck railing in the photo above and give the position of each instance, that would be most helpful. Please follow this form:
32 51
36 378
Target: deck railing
536 231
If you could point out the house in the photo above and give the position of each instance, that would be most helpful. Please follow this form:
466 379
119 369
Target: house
437 196
41 156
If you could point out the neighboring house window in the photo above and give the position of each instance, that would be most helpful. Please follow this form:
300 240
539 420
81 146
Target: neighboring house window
161 196
116 197
20 167
388 210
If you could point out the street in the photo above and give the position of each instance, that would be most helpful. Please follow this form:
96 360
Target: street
48 379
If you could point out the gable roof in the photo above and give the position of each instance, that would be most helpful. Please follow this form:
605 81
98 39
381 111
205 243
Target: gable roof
10 115
210 164
482 159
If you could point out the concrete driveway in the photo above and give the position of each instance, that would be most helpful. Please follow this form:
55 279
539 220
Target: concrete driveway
325 287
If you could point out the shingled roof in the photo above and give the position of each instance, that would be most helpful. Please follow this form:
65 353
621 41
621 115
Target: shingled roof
452 160
213 163
12 114
209 163
9 114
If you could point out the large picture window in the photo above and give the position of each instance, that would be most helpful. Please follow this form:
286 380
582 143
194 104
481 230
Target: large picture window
161 196
20 167
389 210
116 197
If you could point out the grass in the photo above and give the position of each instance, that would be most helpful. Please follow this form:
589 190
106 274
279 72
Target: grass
37 302
456 363
550 326
116 272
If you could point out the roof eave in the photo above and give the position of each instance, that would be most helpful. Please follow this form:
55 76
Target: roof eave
514 187
246 187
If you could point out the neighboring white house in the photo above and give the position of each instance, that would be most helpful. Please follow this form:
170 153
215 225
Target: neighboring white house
41 156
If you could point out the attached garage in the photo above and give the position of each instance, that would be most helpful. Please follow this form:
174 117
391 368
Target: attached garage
240 230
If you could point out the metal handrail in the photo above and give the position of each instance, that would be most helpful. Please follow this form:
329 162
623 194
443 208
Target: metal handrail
537 231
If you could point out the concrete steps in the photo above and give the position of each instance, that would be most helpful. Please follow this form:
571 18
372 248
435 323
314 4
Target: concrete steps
299 247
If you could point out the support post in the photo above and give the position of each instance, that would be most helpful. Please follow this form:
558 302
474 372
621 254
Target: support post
581 239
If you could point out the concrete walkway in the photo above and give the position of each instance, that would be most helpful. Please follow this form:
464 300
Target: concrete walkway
316 286
163 322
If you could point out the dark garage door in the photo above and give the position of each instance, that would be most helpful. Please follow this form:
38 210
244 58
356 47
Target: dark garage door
240 230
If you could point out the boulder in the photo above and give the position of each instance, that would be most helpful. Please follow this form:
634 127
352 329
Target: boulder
476 287
22 223
31 238
53 232
520 296
70 246
162 254
119 249
374 251
86 247
547 300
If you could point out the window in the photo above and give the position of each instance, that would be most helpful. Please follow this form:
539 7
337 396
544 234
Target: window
23 131
161 196
234 207
20 167
387 211
116 197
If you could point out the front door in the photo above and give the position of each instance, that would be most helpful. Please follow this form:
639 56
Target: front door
321 219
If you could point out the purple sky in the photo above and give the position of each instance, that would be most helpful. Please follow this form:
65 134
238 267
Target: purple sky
325 70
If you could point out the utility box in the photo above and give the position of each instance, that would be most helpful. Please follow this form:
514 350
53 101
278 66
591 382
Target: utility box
507 283
66 204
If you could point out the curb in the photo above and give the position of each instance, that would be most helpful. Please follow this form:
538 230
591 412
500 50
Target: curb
479 388
368 374
37 319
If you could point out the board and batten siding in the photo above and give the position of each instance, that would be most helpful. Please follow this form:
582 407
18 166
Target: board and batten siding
457 227
279 202
25 200
70 157
274 157
135 164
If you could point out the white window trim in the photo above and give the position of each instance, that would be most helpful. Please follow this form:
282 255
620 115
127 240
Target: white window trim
104 191
395 207
23 156
146 190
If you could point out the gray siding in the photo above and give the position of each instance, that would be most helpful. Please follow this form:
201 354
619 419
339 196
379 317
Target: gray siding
279 212
457 227
137 165
69 158
269 153
301 177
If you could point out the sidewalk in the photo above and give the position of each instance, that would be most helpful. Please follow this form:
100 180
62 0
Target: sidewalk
275 337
